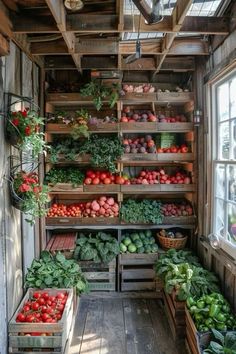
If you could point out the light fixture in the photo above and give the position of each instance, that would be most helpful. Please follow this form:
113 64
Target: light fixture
153 14
214 241
74 5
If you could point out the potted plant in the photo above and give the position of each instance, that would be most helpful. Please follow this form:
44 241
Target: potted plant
23 131
28 195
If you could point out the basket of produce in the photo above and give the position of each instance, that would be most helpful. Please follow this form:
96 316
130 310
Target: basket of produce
169 239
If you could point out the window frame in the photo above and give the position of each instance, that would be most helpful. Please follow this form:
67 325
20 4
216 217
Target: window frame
214 123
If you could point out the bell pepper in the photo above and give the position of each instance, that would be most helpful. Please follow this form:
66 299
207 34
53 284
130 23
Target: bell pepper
208 299
200 304
193 309
214 310
221 327
220 317
190 301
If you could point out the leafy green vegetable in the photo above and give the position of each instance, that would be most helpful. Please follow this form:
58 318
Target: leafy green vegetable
189 280
101 247
173 256
69 148
65 175
141 211
55 272
223 343
101 92
104 151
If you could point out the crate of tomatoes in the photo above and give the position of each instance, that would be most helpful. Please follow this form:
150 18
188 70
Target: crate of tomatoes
42 322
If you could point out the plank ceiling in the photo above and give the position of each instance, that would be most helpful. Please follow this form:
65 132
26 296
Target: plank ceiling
102 34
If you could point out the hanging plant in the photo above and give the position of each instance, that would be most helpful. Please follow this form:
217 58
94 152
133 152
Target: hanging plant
28 195
100 93
23 131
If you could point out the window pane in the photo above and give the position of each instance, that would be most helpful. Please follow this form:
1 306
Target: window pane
231 178
220 181
219 217
233 98
223 102
232 223
223 148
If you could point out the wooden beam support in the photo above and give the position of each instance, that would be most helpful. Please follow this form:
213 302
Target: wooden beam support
4 46
178 64
64 62
98 62
92 23
35 24
140 64
5 24
49 48
178 15
97 46
59 13
120 12
189 47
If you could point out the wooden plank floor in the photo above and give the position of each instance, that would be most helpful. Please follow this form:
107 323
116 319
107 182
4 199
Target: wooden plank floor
122 326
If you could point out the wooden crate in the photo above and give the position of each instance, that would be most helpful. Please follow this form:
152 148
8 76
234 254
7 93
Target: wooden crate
60 331
175 127
102 188
177 97
64 187
73 221
100 276
133 127
139 157
137 273
175 312
191 333
139 97
104 127
64 243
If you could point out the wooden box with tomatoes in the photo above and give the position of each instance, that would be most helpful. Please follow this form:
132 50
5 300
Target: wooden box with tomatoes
43 322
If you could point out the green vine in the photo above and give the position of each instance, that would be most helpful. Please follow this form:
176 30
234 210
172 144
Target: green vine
100 93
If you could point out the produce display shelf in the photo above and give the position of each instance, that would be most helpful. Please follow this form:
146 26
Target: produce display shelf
158 157
133 127
65 188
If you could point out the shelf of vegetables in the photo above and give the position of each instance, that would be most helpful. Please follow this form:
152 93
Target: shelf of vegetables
97 193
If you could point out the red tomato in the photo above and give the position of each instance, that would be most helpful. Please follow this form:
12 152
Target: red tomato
49 310
45 317
45 296
60 307
107 181
35 306
20 317
43 309
89 173
103 175
29 318
58 316
49 302
37 295
60 295
41 301
95 180
26 308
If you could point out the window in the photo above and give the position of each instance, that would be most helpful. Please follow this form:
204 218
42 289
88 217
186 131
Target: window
224 162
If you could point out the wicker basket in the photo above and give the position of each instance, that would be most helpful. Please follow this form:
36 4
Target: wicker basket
177 243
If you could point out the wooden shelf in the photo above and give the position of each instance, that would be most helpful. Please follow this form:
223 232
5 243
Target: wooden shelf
67 99
133 127
163 157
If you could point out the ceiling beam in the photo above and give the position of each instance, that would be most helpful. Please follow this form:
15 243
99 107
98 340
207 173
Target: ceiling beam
180 46
115 23
59 13
64 62
178 15
57 47
4 46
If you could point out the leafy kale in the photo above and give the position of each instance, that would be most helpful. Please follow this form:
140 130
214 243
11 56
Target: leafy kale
223 344
141 211
65 175
101 247
55 272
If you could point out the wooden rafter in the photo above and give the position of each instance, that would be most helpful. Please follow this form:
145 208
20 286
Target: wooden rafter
178 15
81 23
59 13
108 47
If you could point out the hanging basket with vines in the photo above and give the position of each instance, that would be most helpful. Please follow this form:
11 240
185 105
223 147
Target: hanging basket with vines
27 193
23 128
